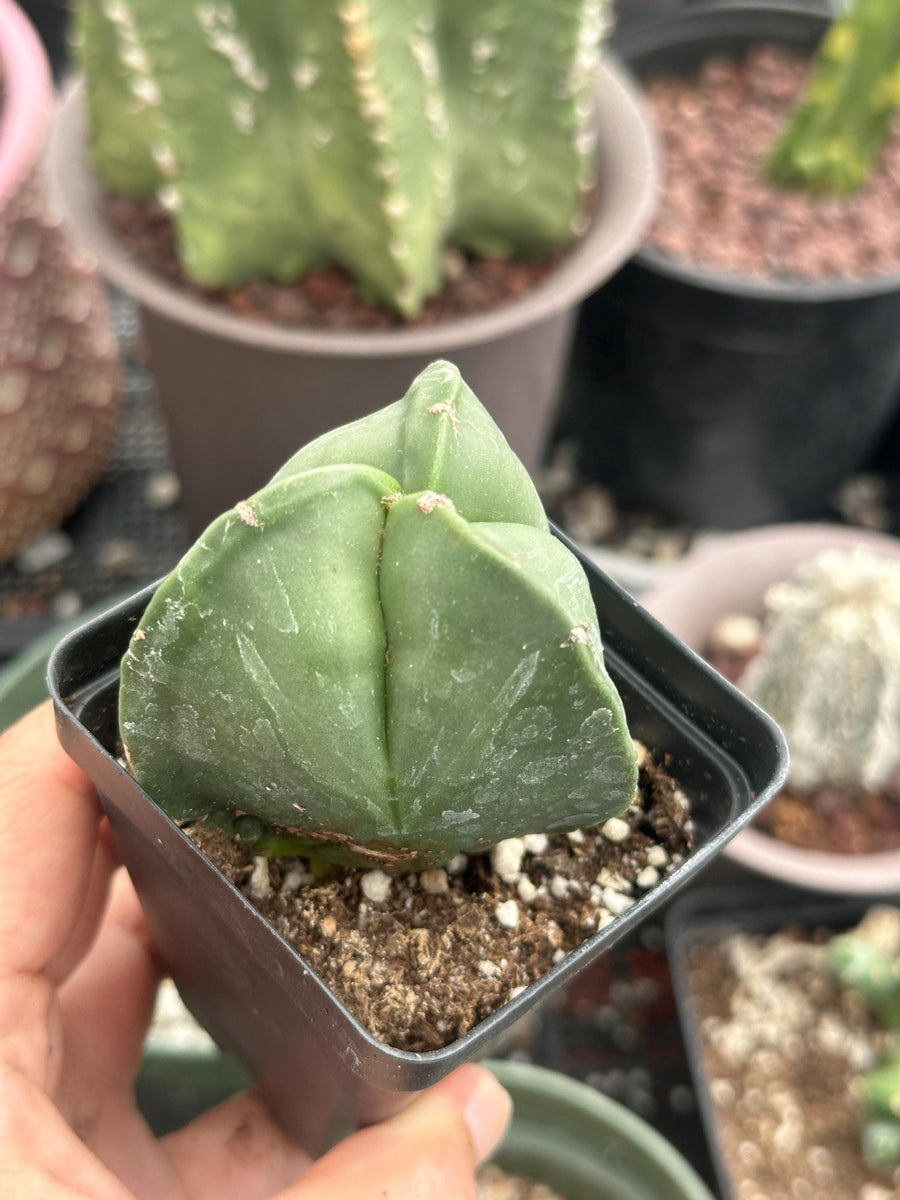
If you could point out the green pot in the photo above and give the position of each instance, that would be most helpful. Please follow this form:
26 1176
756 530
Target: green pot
586 1146
23 682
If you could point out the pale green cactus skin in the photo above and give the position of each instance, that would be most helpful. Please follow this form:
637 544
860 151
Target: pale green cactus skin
361 132
384 650
829 669
839 126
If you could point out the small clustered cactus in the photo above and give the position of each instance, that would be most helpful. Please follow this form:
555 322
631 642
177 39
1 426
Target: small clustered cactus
383 657
839 126
829 669
867 961
368 133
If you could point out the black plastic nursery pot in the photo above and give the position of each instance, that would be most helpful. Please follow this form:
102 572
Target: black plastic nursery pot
718 400
717 912
320 1071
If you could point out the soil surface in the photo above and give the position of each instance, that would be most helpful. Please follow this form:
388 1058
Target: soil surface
421 959
327 298
496 1184
720 212
837 820
782 1045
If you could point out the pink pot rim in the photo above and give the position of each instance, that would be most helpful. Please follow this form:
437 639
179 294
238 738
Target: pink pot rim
848 874
27 98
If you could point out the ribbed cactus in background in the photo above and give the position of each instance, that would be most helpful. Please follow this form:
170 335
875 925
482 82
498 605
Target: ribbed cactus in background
362 132
867 961
829 668
836 133
384 650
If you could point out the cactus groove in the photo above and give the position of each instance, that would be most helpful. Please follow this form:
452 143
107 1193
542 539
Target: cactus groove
384 650
367 133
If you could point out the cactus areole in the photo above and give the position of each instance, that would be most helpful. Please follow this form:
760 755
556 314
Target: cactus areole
383 656
286 136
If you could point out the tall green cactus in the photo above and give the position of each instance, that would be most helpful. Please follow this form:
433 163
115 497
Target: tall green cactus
829 668
384 650
839 126
284 136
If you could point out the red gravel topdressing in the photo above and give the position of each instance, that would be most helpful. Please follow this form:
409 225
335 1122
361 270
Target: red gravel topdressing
720 212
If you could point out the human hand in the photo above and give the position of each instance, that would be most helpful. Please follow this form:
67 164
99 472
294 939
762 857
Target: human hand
78 975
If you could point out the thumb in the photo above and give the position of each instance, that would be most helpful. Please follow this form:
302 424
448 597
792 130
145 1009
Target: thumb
429 1149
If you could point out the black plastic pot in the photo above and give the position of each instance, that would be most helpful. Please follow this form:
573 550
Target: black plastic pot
717 912
320 1071
718 400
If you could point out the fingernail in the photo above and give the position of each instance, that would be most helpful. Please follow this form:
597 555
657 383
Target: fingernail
486 1113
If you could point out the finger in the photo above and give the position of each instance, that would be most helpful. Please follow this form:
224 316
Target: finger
106 1005
106 860
236 1150
50 817
430 1149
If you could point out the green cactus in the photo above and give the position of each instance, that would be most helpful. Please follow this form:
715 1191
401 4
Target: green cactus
829 669
839 126
361 132
384 654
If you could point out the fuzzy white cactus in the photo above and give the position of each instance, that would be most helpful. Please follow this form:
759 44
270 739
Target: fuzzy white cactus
829 668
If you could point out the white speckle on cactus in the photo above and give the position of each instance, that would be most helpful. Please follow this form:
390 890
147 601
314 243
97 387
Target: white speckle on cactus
423 52
219 34
134 58
388 170
243 113
169 197
398 249
514 153
395 206
483 49
321 136
305 74
165 160
145 89
829 668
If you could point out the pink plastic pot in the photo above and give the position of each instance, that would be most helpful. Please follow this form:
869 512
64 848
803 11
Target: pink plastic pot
732 575
58 370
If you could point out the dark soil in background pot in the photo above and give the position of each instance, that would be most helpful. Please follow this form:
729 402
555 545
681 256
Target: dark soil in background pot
420 959
782 1046
327 298
721 213
835 820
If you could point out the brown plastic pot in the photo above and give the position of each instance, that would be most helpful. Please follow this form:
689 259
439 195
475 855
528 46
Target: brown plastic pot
239 394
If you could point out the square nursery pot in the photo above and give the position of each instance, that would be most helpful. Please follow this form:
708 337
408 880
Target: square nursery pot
320 1071
753 909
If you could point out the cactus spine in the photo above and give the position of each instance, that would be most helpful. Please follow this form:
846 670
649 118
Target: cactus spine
829 669
384 650
362 132
837 130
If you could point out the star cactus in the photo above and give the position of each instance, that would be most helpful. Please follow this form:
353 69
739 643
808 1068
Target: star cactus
384 656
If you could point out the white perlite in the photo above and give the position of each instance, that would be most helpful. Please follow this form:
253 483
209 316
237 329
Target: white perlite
616 902
560 887
576 837
296 879
506 859
648 878
457 864
526 889
376 886
488 969
657 856
507 914
535 843
615 830
434 881
260 884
